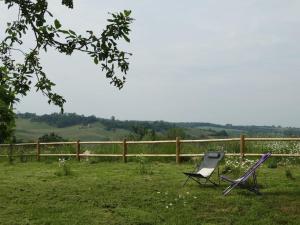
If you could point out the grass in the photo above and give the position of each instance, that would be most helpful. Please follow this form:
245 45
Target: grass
117 193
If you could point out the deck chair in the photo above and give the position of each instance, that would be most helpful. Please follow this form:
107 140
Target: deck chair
241 181
205 169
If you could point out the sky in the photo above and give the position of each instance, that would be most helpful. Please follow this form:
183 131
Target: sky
213 61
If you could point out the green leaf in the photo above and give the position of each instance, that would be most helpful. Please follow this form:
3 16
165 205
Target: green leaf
96 60
127 12
64 31
68 3
72 32
57 24
126 38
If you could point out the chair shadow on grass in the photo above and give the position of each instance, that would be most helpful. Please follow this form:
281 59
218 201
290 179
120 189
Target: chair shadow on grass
280 193
265 190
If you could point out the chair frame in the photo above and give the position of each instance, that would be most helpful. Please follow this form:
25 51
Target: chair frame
198 177
254 188
251 172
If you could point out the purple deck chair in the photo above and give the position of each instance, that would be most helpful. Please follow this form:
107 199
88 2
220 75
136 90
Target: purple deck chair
241 181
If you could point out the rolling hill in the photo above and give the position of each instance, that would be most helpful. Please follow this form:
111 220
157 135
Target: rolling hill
70 126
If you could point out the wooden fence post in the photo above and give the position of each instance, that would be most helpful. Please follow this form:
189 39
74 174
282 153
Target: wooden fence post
242 147
10 153
38 150
78 150
124 151
177 150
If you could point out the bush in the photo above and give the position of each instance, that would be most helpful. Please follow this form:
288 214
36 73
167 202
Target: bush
289 175
272 163
52 137
144 165
64 168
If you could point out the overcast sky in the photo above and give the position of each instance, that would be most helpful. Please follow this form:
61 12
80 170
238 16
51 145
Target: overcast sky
204 61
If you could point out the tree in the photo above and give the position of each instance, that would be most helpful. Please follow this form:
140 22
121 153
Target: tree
7 121
52 137
34 18
172 133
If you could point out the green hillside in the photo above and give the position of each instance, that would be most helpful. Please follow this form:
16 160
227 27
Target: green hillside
27 130
70 126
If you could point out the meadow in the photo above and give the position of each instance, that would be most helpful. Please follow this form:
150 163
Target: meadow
139 192
31 131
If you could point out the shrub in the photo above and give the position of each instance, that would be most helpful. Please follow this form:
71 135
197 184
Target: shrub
289 175
272 163
144 165
285 148
52 137
64 168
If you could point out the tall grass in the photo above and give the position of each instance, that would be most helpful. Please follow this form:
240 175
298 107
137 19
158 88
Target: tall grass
28 153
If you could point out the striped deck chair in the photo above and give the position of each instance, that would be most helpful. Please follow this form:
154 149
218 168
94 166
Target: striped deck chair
241 181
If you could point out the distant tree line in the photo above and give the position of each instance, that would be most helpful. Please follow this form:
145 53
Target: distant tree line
70 119
251 130
60 120
292 132
157 126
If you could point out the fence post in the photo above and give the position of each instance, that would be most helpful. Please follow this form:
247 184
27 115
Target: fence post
10 152
242 147
124 151
78 150
177 150
38 150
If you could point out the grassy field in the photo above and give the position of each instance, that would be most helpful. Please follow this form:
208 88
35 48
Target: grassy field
27 130
117 193
31 131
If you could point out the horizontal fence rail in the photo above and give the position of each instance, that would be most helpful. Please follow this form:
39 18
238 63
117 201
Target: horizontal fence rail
124 144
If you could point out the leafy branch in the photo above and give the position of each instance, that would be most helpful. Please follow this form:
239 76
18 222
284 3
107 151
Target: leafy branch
33 16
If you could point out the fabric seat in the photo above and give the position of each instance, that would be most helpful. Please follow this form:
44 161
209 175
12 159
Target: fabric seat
241 181
205 169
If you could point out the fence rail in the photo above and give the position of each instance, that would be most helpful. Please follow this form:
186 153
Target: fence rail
177 148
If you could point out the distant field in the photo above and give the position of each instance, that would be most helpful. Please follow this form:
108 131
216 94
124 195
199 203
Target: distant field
30 131
29 127
116 193
231 132
27 130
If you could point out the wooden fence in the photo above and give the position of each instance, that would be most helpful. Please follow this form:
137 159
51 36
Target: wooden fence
177 147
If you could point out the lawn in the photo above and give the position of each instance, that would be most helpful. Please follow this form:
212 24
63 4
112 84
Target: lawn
116 193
